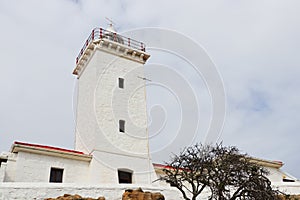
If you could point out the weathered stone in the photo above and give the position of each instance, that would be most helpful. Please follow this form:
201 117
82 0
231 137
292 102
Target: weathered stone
129 194
157 196
139 194
73 197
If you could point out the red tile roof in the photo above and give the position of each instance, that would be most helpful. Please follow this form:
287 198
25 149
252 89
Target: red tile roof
162 166
48 147
156 165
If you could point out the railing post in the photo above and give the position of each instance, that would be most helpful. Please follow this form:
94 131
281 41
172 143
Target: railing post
115 37
95 35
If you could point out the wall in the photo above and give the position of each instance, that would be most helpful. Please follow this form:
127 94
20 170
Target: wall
37 191
29 191
31 167
101 104
105 170
10 169
275 175
2 171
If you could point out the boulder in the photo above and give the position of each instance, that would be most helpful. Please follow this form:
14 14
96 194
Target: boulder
139 194
73 197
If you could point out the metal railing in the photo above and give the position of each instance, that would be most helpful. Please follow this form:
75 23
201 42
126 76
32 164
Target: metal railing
100 33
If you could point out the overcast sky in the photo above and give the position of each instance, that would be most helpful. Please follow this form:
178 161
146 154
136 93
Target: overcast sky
254 44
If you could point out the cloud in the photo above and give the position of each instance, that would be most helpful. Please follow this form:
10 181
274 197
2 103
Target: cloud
254 44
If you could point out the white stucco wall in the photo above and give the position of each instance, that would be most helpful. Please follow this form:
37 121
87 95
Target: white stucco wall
29 191
10 169
2 171
30 167
275 175
101 104
105 170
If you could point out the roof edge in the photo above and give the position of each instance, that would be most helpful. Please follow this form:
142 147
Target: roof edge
49 150
259 161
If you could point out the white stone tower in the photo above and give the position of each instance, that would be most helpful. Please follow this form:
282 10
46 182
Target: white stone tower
111 118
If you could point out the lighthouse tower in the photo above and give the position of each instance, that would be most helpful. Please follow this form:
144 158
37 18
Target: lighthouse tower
111 118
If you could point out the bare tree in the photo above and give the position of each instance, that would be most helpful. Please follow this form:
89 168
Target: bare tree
188 171
235 176
224 171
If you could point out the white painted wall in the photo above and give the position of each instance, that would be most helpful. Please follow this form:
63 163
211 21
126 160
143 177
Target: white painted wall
275 174
101 104
10 169
2 171
105 170
29 191
30 167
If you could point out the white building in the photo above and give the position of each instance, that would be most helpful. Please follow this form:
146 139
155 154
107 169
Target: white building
38 163
112 145
111 122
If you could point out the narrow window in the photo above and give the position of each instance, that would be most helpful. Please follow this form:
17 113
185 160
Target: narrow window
122 126
124 176
121 82
56 175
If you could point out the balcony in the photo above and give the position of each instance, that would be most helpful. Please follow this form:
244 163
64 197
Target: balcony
100 33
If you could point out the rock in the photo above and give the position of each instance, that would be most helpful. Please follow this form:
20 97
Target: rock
76 196
139 194
73 197
129 194
157 196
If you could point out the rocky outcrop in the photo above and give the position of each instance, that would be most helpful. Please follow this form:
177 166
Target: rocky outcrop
73 197
129 194
139 194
